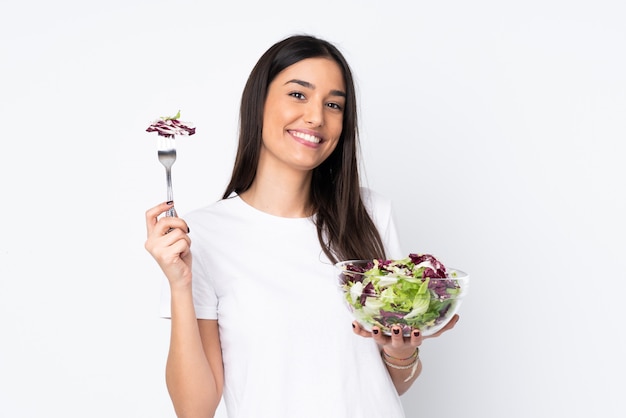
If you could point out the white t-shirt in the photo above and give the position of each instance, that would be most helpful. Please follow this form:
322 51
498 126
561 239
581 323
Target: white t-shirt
287 341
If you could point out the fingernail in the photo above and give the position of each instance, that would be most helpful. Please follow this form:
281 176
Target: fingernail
416 333
396 331
169 202
375 331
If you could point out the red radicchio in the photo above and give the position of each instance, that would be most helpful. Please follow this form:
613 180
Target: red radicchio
169 127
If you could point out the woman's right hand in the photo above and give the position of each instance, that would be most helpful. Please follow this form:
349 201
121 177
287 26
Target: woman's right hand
169 244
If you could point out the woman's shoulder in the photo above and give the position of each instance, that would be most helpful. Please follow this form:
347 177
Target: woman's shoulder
217 208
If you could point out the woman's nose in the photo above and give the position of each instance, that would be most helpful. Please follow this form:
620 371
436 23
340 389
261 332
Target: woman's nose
314 114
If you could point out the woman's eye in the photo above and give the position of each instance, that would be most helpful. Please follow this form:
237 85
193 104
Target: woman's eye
336 106
297 95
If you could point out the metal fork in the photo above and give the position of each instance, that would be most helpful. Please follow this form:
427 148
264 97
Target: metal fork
167 157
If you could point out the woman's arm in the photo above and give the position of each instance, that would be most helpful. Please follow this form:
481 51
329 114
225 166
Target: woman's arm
401 354
194 370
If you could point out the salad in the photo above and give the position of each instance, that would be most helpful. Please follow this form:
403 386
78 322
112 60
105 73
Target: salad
413 292
170 126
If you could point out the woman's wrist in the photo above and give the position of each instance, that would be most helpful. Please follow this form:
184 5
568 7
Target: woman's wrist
400 358
409 363
396 357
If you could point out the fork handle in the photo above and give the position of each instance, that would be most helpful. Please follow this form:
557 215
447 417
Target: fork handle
170 194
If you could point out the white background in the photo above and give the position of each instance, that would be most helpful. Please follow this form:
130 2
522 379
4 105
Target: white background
497 127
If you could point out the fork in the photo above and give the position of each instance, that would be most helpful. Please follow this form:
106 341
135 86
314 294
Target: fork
167 157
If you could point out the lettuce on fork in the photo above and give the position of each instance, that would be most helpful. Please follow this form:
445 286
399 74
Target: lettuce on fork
170 126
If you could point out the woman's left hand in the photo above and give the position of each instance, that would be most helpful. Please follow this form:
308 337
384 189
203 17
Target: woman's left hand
396 344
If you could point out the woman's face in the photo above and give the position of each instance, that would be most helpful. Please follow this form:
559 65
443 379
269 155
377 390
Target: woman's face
303 114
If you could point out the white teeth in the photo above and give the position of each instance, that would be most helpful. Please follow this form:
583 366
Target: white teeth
307 137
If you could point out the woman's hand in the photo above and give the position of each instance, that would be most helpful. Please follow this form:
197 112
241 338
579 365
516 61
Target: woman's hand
169 244
400 353
396 345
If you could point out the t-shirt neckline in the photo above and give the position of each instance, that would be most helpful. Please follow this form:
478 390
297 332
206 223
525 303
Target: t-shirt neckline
261 213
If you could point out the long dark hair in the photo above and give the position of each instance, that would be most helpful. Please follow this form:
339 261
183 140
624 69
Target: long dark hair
344 228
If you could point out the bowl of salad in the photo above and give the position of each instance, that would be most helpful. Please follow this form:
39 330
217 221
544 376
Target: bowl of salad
414 292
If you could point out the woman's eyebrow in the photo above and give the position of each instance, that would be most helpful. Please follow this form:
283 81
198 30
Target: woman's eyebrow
308 85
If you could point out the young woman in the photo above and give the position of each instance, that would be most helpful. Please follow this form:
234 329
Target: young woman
256 315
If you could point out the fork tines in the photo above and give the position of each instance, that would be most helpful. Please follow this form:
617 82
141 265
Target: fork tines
166 144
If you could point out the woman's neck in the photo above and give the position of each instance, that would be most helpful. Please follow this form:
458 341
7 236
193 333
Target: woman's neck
280 193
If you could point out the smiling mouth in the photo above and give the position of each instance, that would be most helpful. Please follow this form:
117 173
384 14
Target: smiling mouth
307 137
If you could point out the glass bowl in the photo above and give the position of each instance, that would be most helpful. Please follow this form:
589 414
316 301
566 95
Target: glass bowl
384 300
